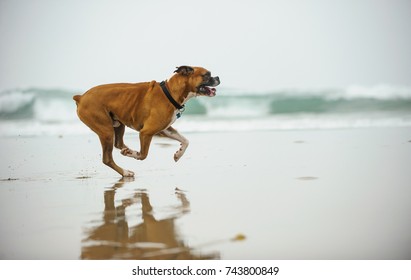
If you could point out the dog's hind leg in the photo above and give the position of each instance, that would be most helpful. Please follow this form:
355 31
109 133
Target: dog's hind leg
99 120
107 145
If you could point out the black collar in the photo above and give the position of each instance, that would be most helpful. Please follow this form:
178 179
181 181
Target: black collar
168 95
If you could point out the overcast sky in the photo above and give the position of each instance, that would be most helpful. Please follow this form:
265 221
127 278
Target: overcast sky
261 45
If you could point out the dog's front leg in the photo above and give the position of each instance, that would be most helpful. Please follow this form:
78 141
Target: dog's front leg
173 134
145 140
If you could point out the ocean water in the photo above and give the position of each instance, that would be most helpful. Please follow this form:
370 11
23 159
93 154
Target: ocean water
37 111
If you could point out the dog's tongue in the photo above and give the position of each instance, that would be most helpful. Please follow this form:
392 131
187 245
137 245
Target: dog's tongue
212 91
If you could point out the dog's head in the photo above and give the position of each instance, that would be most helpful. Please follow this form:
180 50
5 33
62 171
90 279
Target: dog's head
199 80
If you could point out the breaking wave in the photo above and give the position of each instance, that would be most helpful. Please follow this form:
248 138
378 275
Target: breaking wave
52 111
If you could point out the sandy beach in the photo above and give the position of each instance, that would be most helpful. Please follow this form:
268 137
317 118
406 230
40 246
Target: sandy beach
304 194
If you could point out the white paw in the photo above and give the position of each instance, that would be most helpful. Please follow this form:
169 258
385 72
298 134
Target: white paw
128 173
129 153
179 154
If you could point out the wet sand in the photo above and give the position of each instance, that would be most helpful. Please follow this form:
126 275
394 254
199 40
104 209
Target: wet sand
331 194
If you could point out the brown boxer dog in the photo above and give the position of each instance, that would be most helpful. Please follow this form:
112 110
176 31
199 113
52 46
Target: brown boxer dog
148 107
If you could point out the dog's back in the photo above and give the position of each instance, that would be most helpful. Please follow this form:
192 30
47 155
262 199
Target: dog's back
109 92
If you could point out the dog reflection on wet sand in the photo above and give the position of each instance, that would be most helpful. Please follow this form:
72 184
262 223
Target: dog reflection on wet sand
151 239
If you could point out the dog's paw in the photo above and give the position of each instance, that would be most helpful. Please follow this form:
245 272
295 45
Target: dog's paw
178 154
128 173
129 153
125 151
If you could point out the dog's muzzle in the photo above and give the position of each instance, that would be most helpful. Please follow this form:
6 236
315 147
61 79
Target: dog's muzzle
208 88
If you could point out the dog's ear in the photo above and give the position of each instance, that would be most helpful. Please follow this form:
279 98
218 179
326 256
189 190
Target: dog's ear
184 70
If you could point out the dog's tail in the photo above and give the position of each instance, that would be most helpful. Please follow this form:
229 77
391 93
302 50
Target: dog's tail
77 99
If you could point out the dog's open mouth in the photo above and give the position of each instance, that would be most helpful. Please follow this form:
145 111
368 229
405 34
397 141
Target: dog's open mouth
207 91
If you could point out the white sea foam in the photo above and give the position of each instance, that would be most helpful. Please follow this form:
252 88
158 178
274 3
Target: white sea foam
292 122
55 110
13 101
382 92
